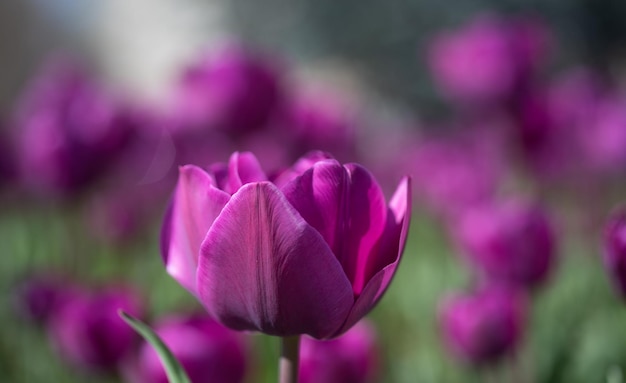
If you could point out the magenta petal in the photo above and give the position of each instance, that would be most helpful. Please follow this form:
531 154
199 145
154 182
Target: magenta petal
195 206
262 267
302 165
244 168
346 205
400 207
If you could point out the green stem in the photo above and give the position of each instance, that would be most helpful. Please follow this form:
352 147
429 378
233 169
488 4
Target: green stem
289 359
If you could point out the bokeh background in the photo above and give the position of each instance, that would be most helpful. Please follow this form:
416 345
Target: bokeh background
117 94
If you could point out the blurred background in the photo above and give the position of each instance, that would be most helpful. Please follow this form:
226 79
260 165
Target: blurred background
509 115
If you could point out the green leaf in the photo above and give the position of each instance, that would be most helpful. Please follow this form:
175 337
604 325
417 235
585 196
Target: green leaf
175 372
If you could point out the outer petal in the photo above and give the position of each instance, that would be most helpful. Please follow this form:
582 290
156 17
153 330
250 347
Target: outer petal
262 267
196 204
346 205
394 239
243 168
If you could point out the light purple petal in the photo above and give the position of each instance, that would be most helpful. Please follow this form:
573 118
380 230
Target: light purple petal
197 202
263 268
394 239
243 168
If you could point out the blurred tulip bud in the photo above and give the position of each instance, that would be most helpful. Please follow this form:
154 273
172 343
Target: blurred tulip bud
233 90
485 326
40 297
68 130
88 332
208 351
351 358
487 59
511 242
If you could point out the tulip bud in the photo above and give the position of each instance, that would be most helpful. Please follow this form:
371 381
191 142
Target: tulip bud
89 333
69 130
483 327
351 358
615 249
40 297
234 90
510 242
209 352
487 59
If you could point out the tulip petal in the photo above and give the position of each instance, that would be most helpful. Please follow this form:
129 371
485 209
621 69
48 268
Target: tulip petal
303 164
392 243
263 268
196 204
346 205
243 168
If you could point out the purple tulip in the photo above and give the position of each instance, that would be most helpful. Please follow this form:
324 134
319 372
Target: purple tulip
322 122
310 254
89 333
511 242
483 327
68 130
40 297
615 249
455 173
487 59
234 90
209 352
351 358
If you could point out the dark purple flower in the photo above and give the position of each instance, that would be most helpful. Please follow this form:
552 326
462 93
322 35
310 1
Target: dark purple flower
40 297
68 130
485 326
511 242
351 358
234 90
209 352
310 254
615 249
321 122
88 332
487 59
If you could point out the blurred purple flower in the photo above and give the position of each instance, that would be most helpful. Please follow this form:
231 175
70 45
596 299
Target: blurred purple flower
321 122
310 255
455 173
39 297
512 242
488 58
209 352
575 126
68 129
351 358
88 332
615 249
234 90
484 327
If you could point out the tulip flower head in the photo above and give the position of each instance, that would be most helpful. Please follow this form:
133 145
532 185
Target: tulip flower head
483 327
351 358
209 352
89 333
69 130
235 91
310 253
511 242
615 249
